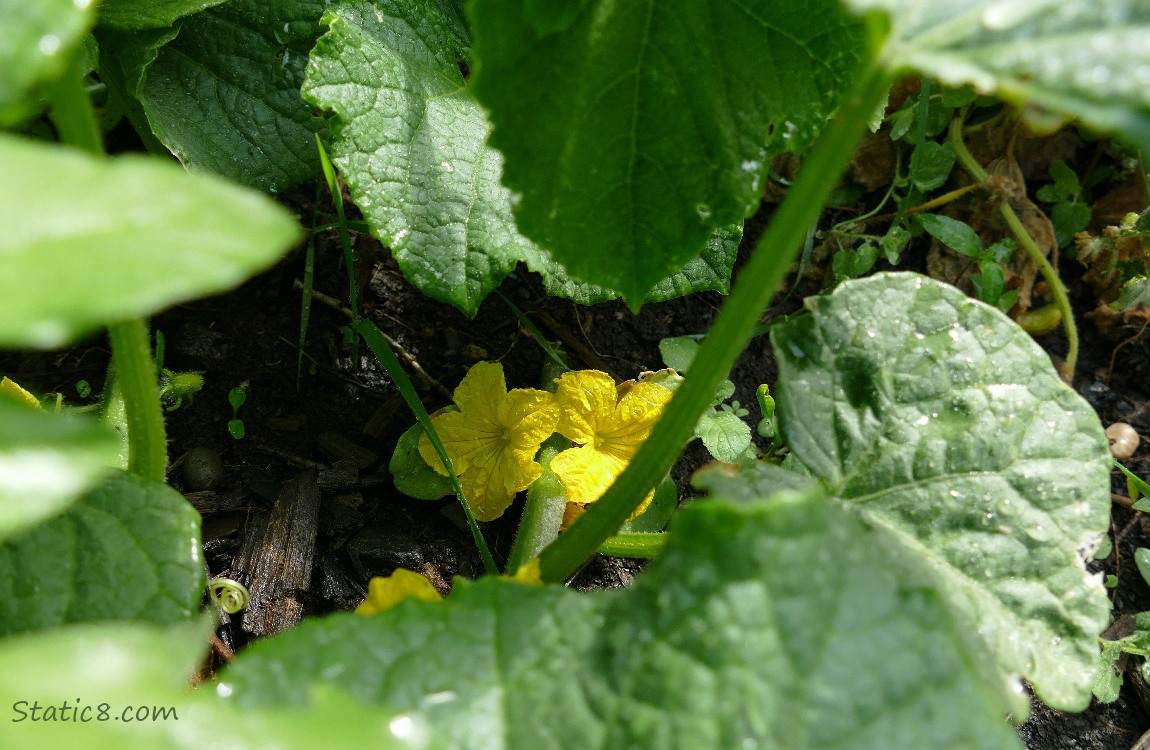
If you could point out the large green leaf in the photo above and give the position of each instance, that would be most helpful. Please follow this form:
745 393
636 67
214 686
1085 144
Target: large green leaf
39 39
89 241
109 675
409 142
1084 58
710 272
46 462
128 550
944 424
770 623
224 95
648 125
148 14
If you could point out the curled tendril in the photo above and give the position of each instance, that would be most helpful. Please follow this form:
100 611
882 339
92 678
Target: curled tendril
230 596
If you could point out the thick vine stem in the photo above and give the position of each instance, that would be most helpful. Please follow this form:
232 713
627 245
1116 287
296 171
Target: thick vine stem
731 331
136 376
135 371
543 513
71 112
1057 288
634 544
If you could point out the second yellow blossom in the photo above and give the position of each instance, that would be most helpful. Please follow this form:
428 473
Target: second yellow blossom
608 424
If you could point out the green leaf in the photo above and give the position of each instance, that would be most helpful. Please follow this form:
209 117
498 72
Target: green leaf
652 123
1068 219
1135 292
40 39
931 165
128 550
410 143
955 234
850 263
662 507
149 14
725 436
411 474
678 352
224 96
1071 57
989 283
942 422
1142 560
710 272
109 666
46 462
90 241
114 671
894 242
722 642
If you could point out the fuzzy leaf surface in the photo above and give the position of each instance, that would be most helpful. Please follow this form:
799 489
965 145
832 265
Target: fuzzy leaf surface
941 421
39 41
1088 59
651 124
90 241
725 436
224 94
128 550
46 462
710 272
410 143
722 642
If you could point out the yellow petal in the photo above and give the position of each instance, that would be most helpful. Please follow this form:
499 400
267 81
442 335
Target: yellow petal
385 593
530 416
638 411
487 490
481 389
17 392
493 438
529 572
585 398
587 473
466 437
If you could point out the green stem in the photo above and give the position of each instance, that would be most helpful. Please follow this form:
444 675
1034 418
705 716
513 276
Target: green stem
136 378
731 331
71 112
543 513
634 544
1057 288
386 356
135 369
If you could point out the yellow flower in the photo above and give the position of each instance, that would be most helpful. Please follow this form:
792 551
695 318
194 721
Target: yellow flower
609 424
493 438
385 593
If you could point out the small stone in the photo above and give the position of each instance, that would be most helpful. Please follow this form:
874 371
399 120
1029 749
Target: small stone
1123 440
202 469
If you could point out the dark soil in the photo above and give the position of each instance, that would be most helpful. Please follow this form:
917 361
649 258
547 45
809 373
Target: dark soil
340 415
